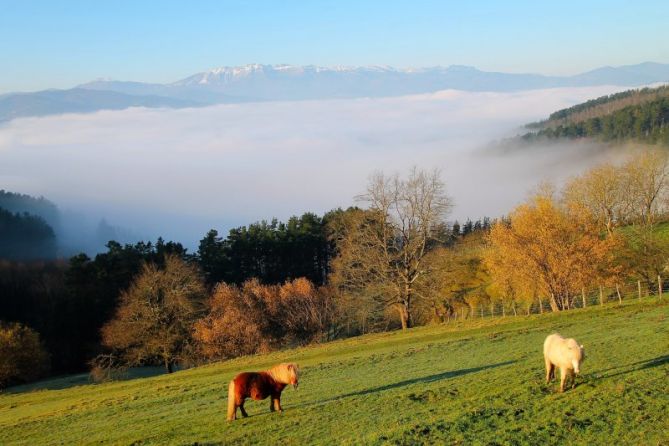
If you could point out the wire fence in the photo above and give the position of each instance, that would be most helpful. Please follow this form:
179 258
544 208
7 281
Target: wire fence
598 295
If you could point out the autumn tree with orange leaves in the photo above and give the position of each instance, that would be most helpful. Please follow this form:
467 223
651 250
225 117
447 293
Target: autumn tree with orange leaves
154 320
256 318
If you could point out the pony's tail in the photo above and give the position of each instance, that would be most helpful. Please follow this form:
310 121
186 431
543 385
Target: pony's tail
232 407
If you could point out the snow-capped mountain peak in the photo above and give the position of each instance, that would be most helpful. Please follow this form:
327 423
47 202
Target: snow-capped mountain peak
227 74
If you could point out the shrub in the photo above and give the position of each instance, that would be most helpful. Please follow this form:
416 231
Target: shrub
107 367
23 358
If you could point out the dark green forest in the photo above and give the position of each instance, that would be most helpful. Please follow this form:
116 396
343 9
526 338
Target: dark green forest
27 227
25 236
38 206
648 123
601 105
637 115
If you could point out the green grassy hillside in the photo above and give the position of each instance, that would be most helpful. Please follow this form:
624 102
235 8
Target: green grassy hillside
479 382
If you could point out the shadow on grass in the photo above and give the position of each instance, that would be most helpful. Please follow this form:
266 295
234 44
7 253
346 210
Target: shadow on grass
408 382
81 379
636 366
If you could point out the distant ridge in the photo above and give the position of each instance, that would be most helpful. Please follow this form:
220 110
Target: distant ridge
257 82
78 100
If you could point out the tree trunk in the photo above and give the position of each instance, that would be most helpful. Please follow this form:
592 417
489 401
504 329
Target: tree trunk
168 366
620 299
554 305
583 296
405 315
601 296
638 283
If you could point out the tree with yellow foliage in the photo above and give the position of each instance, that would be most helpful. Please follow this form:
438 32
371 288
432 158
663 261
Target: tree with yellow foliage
542 248
458 281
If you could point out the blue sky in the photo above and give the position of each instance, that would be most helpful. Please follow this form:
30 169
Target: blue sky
59 44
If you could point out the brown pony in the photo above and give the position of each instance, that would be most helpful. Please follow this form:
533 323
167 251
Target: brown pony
260 385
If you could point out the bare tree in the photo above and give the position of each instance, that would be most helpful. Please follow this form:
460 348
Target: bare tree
383 250
647 178
601 192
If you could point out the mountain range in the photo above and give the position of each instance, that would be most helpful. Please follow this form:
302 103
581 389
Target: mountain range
256 82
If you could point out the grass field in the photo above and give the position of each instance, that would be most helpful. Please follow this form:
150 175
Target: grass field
477 382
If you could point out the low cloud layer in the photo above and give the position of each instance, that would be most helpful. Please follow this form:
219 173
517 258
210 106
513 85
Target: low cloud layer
177 173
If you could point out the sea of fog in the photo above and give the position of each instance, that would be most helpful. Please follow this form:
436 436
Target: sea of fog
178 173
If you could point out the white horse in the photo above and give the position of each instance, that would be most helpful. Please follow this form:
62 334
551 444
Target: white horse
566 354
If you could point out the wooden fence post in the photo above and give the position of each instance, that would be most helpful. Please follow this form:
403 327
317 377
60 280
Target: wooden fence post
638 283
620 299
601 296
541 306
583 297
659 286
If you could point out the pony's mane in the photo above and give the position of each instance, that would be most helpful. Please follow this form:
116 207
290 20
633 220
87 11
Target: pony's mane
284 372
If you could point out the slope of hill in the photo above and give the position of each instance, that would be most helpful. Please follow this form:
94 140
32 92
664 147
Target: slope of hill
25 237
16 202
633 115
601 106
479 382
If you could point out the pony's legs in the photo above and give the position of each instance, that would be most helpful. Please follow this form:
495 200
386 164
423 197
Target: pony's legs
275 404
573 379
550 371
563 378
241 408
